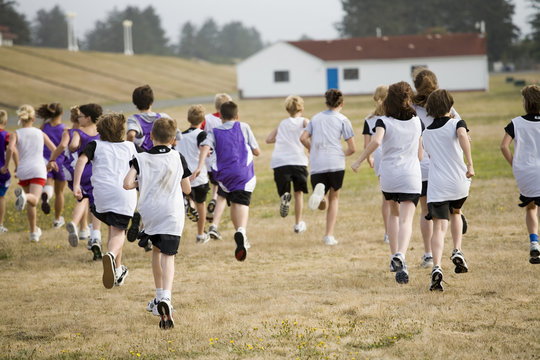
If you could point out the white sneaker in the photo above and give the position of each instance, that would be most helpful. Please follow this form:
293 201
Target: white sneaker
109 266
317 196
247 245
120 275
84 234
3 229
165 310
59 223
427 262
202 239
534 252
73 237
284 205
34 237
20 201
386 240
300 227
330 240
152 307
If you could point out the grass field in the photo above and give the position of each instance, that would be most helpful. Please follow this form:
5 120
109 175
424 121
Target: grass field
293 297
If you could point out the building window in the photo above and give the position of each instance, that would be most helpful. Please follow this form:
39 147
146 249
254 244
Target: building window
417 67
281 76
351 74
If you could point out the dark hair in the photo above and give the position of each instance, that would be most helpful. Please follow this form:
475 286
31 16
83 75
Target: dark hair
164 130
92 110
143 97
531 97
439 103
425 83
334 98
228 110
112 127
49 111
397 102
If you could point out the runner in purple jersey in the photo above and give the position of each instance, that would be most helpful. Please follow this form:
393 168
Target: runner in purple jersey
4 177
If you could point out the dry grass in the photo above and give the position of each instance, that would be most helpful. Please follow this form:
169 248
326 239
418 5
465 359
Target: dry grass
293 297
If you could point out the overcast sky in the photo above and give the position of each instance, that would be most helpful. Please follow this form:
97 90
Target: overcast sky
274 19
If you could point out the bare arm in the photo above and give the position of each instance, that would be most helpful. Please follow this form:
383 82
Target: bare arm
131 135
186 185
11 149
256 151
130 181
351 148
375 142
271 138
466 147
79 168
205 150
505 148
61 146
75 141
305 139
367 139
420 149
49 143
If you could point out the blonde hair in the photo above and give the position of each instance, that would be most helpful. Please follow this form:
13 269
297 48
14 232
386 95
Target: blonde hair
195 115
74 114
294 104
221 99
164 130
112 127
425 83
3 117
378 96
531 97
26 114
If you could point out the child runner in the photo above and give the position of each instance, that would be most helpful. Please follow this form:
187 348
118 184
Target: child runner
217 204
139 127
4 176
234 145
322 137
112 205
31 170
289 160
525 162
188 146
399 134
374 161
161 176
446 141
56 180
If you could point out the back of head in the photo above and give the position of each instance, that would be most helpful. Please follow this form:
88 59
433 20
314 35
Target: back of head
49 111
143 97
531 99
397 102
294 104
425 83
164 130
439 103
378 96
228 110
3 117
74 114
196 114
220 99
92 110
334 98
26 114
112 127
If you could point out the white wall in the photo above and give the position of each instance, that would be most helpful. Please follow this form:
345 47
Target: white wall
453 73
307 74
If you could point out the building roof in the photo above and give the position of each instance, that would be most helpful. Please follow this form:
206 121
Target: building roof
395 47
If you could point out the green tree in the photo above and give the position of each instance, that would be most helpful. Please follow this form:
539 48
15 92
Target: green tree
535 34
17 23
188 43
207 40
50 28
237 41
147 33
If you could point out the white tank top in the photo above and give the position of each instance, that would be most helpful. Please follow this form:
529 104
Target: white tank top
109 168
288 149
30 147
190 149
447 179
400 168
160 199
526 162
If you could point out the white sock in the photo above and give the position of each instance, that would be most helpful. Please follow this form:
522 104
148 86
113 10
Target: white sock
118 271
166 294
48 189
242 230
428 254
95 234
159 293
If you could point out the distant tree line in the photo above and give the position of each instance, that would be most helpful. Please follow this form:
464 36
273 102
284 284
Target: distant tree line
234 41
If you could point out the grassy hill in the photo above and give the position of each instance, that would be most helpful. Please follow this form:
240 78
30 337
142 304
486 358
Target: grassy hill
36 75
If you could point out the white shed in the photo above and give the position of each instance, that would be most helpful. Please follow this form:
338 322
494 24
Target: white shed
359 65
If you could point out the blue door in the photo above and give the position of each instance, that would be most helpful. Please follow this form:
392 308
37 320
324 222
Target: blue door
332 78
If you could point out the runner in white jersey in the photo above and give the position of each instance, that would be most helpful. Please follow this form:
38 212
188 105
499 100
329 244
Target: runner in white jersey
289 160
399 134
189 148
525 161
446 142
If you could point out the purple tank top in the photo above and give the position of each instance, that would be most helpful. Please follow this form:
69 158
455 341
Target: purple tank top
146 127
232 154
3 136
86 184
55 134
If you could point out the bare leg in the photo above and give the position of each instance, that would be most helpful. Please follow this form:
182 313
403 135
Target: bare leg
440 226
156 267
116 243
456 227
2 209
406 215
385 210
59 198
393 226
167 271
426 226
331 214
298 206
201 209
33 194
531 218
239 215
80 213
221 202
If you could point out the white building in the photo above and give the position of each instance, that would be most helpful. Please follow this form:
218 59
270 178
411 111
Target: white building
359 65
